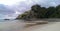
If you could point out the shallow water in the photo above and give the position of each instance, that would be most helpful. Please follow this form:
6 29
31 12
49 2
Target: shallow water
11 25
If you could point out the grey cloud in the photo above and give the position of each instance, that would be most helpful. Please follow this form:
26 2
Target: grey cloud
47 3
5 10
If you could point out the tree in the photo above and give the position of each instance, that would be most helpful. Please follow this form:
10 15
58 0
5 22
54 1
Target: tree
50 12
41 12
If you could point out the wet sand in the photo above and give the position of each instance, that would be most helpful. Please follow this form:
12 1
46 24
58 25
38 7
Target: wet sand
21 26
51 26
11 26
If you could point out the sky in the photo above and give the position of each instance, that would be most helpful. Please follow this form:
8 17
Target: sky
10 9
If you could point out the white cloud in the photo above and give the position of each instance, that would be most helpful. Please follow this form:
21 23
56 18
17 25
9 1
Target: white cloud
10 2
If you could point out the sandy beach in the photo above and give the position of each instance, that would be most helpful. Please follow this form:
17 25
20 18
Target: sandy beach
21 26
51 26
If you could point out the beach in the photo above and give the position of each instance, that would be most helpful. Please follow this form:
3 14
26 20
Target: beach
21 26
52 26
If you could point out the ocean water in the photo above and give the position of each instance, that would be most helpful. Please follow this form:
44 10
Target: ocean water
11 25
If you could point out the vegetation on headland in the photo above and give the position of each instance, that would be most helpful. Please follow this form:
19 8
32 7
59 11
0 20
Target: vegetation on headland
39 12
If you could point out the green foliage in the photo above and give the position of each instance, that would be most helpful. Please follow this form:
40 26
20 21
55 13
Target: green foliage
41 12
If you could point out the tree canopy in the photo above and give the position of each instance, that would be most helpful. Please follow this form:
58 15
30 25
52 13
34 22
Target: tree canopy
41 12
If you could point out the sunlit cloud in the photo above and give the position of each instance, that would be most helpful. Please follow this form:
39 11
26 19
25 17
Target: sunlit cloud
10 2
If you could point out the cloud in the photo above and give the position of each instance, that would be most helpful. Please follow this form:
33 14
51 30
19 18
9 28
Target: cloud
46 3
5 10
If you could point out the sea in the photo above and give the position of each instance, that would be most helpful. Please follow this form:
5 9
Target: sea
11 25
